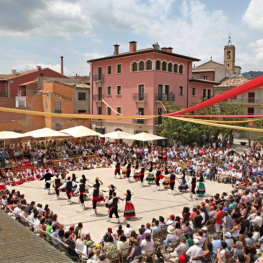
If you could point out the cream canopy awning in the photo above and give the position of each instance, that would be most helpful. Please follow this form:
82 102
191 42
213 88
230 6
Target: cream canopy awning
80 131
45 132
116 135
4 135
144 136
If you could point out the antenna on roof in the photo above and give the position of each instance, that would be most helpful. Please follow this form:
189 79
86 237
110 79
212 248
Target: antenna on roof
229 40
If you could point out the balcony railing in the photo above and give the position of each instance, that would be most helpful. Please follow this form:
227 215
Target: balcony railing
98 78
98 97
57 111
165 97
139 97
139 121
249 100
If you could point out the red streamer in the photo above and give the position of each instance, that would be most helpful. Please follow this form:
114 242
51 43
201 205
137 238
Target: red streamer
163 106
250 85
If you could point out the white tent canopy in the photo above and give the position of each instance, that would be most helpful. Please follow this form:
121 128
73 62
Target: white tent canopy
80 131
144 136
116 135
45 132
4 135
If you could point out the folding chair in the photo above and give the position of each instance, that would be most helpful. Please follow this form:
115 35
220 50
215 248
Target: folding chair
114 256
124 253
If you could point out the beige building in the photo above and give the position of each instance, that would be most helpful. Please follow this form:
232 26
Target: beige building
253 100
81 98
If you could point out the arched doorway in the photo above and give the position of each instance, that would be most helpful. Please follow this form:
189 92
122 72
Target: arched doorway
118 129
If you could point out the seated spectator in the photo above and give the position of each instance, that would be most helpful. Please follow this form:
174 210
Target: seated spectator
122 243
135 252
54 233
250 241
180 249
194 252
110 245
228 240
80 243
77 231
156 228
162 224
127 231
49 228
147 244
171 236
187 228
87 250
216 243
119 232
237 249
61 234
148 229
141 235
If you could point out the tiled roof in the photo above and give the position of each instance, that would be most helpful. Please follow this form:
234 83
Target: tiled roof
17 74
19 244
232 82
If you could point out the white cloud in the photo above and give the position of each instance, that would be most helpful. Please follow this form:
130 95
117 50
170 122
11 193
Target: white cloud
254 15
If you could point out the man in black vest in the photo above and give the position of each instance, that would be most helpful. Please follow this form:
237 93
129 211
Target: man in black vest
118 168
95 198
142 174
47 177
172 183
57 185
114 207
82 192
68 186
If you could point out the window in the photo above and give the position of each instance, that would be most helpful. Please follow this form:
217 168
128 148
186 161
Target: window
181 90
119 68
164 65
204 93
109 90
81 111
57 107
108 70
228 65
118 109
118 90
170 67
149 65
141 92
228 54
46 104
209 93
181 69
108 111
250 111
193 91
5 90
205 77
175 68
99 111
81 96
158 65
134 66
58 126
141 65
100 71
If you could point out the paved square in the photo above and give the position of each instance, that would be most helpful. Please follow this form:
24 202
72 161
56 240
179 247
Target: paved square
148 202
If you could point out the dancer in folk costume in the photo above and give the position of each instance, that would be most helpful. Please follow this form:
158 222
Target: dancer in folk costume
58 183
47 178
192 187
112 188
68 188
128 171
142 174
114 207
118 169
95 197
82 192
200 188
183 184
172 183
158 177
150 177
129 210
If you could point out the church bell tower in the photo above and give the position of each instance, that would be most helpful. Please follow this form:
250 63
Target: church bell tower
229 56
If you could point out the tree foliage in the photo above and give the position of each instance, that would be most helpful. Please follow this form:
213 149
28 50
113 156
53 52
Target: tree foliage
187 132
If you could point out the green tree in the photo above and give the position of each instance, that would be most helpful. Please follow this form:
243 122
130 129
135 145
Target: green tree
187 132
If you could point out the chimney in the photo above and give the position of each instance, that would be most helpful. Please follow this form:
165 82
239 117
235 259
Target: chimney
133 46
62 72
156 46
13 71
38 68
164 49
169 49
116 49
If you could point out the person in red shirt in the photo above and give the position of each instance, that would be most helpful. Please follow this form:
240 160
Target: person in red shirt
218 217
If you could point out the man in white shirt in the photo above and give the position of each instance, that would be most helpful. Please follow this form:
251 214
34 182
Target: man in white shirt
194 251
257 219
127 231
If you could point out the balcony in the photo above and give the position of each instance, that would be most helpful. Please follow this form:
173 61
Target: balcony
98 98
57 111
139 121
98 78
140 97
165 97
249 100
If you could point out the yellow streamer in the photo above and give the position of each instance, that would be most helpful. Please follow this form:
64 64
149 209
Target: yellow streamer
74 116
110 107
218 125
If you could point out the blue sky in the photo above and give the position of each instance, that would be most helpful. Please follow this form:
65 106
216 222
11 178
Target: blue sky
38 32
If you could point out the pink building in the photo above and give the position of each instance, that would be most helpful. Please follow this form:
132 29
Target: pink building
135 81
